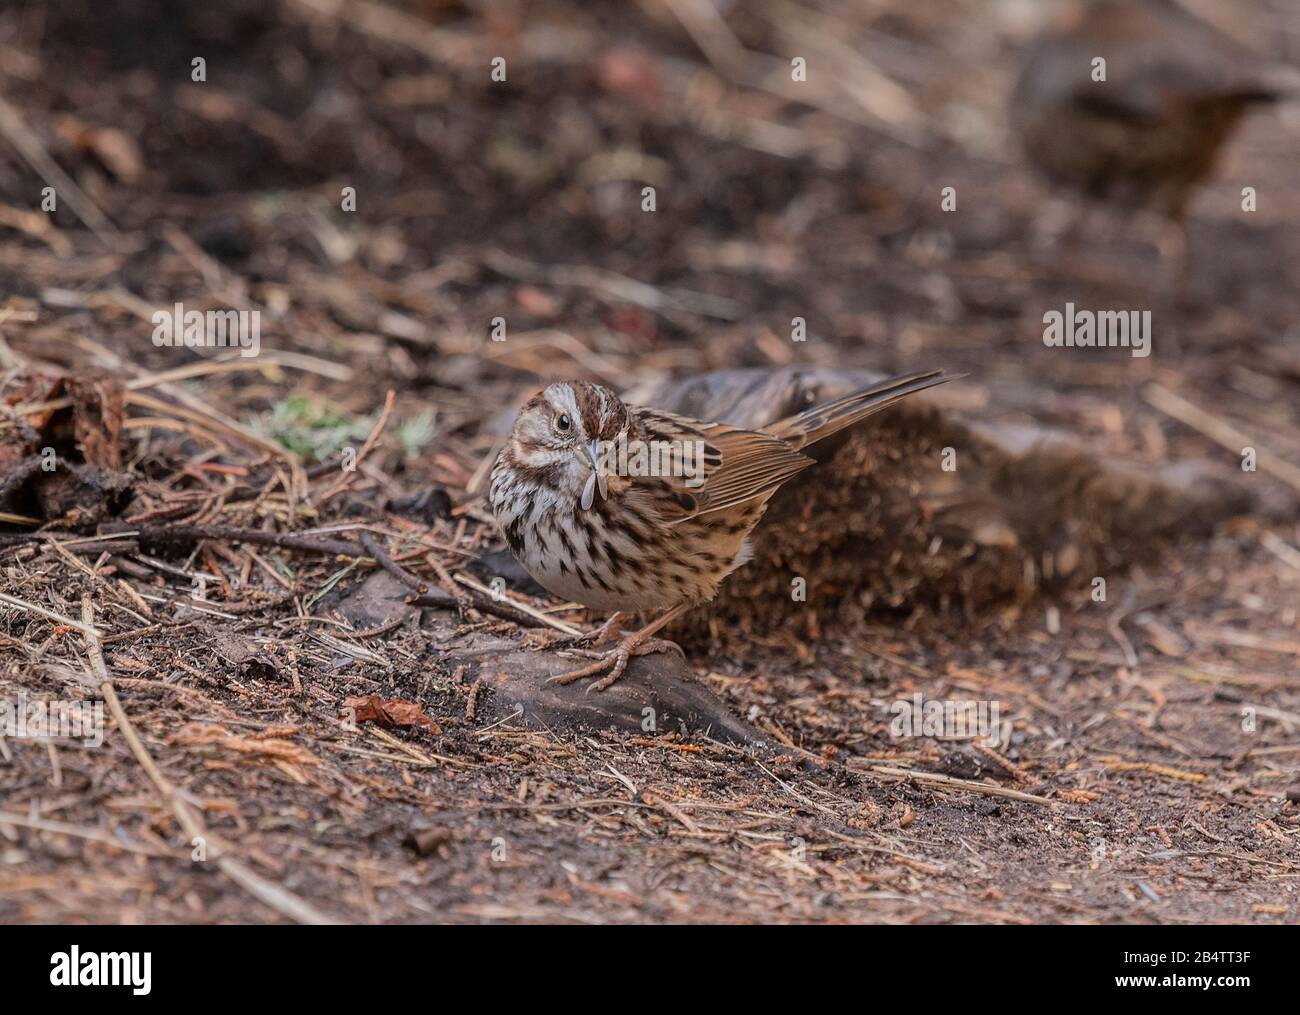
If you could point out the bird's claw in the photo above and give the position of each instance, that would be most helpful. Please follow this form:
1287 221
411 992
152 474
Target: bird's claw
616 660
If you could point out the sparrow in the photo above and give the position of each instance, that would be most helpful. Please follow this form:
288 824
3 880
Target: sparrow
629 509
1174 91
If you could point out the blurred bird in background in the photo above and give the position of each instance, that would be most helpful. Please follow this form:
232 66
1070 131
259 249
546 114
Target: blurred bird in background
1143 131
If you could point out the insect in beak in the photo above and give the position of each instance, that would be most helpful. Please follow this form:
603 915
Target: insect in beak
597 480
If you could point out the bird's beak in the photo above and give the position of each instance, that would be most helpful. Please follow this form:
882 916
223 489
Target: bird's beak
597 480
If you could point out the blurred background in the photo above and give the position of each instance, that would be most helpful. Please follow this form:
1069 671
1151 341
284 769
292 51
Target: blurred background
522 198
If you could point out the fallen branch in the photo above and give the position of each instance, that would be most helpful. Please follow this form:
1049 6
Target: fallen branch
934 779
156 536
523 608
1154 769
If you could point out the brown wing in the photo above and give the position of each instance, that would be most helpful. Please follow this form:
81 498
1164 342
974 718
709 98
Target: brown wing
739 465
822 421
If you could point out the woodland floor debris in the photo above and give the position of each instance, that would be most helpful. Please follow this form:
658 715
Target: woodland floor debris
306 662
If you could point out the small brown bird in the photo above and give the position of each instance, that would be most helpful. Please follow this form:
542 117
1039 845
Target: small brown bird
1174 90
629 509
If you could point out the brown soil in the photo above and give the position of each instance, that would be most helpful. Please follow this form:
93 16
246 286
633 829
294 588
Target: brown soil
343 754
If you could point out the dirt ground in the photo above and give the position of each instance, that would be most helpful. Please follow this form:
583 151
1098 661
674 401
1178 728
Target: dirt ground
278 752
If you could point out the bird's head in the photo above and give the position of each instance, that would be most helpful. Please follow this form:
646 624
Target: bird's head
559 434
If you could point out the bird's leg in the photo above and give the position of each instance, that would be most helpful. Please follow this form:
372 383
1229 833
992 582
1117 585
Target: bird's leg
638 643
597 636
1171 242
607 631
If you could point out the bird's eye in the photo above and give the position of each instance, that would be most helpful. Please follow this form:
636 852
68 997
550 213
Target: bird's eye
563 423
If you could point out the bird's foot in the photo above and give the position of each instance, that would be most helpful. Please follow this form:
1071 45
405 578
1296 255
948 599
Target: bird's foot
639 643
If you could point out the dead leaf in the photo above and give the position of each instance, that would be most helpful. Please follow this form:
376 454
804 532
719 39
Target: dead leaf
97 403
389 712
23 387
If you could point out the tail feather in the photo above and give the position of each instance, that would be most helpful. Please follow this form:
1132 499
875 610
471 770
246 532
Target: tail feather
822 421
